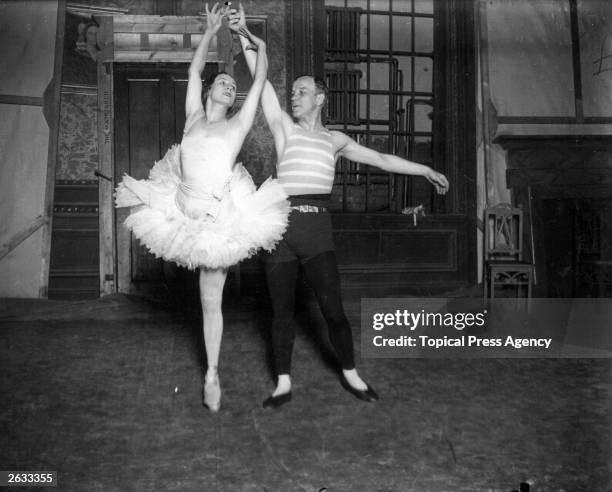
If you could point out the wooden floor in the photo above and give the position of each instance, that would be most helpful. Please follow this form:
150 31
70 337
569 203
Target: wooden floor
108 394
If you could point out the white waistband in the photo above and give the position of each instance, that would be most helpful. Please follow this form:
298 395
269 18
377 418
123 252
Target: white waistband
203 192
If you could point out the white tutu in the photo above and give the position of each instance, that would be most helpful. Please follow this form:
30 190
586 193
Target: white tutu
203 228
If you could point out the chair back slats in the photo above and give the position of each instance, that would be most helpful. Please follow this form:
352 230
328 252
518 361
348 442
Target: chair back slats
503 229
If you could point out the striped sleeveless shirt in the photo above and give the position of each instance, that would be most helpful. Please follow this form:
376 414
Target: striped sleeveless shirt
308 164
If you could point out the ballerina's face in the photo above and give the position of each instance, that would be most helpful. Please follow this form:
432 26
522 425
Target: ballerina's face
223 90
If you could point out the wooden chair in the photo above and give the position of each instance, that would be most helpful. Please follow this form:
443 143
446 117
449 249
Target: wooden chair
503 251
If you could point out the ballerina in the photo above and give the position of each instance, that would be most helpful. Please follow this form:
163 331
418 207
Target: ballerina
199 208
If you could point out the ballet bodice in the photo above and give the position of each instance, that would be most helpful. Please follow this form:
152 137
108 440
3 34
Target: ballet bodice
206 160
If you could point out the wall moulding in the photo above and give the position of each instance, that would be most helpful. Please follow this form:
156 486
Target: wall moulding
508 132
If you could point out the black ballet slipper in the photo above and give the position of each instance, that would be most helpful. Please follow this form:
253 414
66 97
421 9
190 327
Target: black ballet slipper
277 401
368 394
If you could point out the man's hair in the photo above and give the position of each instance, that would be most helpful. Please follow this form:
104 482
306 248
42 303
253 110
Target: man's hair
321 86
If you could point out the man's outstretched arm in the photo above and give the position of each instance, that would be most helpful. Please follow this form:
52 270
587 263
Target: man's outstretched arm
348 148
246 115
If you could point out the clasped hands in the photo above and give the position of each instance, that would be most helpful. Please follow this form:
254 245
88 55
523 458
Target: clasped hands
236 21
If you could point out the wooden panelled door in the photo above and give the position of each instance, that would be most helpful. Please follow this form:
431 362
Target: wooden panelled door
149 106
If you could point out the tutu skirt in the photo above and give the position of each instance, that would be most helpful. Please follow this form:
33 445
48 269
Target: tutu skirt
210 228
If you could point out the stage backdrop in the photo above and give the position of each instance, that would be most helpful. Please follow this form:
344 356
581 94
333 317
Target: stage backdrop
27 54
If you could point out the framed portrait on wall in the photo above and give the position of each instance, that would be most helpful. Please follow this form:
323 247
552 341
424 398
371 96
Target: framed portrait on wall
80 49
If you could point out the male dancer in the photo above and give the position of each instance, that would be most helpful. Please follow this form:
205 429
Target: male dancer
307 153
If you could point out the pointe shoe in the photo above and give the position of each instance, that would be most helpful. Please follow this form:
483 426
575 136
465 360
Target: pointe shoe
211 397
368 394
277 401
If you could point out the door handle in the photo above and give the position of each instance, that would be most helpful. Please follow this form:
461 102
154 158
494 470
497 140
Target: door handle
418 211
100 175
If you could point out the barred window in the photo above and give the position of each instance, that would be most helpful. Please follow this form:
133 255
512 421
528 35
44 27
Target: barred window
379 69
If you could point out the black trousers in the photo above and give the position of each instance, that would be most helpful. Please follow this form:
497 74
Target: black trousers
321 272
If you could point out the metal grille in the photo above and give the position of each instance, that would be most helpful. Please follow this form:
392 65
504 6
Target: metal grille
379 69
343 106
343 32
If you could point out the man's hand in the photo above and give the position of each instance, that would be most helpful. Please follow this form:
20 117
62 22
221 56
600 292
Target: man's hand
214 18
438 180
237 19
237 23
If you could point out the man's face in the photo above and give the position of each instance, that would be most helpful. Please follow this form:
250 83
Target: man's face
223 90
303 97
